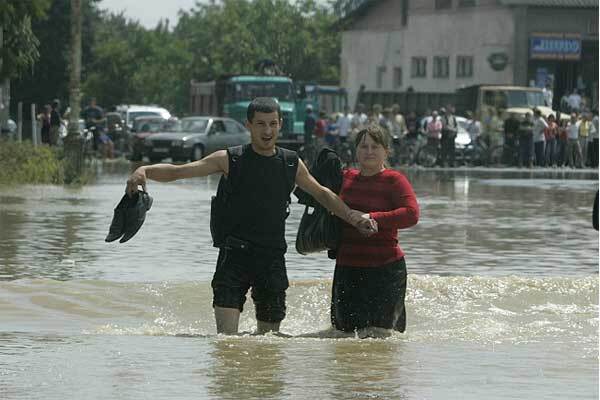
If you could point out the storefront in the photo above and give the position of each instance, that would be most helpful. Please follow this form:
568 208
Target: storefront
566 61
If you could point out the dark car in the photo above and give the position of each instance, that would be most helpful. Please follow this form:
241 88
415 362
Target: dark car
143 127
192 138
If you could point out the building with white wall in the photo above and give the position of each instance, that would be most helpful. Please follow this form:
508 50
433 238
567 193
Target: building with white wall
441 45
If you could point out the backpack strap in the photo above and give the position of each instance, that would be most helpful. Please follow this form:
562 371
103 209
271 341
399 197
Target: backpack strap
290 162
290 165
235 154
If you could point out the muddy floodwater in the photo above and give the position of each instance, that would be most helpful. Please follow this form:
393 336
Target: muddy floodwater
502 298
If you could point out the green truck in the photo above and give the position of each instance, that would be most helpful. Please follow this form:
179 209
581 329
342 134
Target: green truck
229 96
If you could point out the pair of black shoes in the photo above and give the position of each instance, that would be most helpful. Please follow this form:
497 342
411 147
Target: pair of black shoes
129 216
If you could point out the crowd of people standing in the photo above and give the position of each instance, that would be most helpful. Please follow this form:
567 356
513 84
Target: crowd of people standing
533 140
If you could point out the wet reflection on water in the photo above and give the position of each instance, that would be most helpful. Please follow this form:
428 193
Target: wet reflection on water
472 223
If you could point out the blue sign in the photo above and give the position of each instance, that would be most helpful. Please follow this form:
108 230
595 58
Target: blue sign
555 47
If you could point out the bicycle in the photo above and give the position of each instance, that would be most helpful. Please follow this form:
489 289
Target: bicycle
479 153
428 154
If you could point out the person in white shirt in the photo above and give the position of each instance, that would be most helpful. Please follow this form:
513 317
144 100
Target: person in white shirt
594 135
473 127
344 124
539 139
574 101
548 95
573 149
358 121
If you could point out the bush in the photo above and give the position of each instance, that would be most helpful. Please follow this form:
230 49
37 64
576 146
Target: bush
24 163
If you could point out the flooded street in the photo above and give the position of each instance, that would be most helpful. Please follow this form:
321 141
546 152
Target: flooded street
502 298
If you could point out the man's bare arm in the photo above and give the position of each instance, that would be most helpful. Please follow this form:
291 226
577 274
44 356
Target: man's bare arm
332 202
217 162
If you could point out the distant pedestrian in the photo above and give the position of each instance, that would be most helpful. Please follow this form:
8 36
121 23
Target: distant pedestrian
563 140
594 134
321 129
449 129
551 134
574 101
526 142
94 119
309 125
44 119
539 138
55 122
511 138
344 124
548 94
585 123
398 121
573 149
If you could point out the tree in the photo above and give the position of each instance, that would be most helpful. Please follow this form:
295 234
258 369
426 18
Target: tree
231 36
49 77
19 47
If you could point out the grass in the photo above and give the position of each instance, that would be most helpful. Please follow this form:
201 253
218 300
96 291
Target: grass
22 163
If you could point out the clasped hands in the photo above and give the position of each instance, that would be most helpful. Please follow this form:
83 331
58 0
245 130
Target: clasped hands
363 222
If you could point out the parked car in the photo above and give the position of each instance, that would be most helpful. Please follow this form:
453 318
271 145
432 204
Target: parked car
143 127
10 129
130 112
192 138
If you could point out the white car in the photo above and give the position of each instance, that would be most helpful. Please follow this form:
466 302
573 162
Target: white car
130 112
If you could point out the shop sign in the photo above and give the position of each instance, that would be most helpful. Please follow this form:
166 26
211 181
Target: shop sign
555 46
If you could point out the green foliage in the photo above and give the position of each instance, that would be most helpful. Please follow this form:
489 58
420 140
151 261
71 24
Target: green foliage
20 46
125 63
232 36
49 77
24 163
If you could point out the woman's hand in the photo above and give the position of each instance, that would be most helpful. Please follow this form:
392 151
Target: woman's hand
363 223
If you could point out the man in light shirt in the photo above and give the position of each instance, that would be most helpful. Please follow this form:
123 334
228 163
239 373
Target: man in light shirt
574 101
539 139
594 135
584 132
344 124
573 149
548 95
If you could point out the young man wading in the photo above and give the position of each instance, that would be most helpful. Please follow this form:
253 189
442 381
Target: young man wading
253 253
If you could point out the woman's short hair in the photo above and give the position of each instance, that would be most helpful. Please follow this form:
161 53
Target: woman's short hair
376 133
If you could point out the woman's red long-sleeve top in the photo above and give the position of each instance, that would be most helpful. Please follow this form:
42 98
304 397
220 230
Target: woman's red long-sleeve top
389 198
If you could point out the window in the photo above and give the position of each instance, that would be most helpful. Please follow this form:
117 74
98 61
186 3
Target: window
397 77
418 67
380 77
442 4
441 67
231 126
404 12
466 3
464 66
217 127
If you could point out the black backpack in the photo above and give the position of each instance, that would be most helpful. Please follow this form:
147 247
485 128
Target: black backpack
222 221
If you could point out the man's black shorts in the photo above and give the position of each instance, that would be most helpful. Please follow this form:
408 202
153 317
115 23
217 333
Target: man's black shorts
263 271
369 297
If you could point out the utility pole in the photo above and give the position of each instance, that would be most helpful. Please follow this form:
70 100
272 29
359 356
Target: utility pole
3 112
73 141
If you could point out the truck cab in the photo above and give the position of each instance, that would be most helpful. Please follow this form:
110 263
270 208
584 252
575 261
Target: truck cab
500 101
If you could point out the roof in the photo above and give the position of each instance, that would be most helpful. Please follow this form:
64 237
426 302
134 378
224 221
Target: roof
505 87
344 9
552 3
259 78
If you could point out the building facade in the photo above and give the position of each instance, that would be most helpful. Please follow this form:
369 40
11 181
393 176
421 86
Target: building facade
441 45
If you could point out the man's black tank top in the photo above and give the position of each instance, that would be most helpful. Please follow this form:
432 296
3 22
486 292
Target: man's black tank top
259 200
